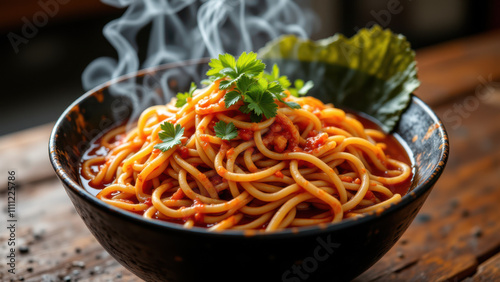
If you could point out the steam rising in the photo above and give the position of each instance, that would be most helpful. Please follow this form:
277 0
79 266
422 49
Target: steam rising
187 29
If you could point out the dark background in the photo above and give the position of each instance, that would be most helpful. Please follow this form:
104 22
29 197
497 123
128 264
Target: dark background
41 78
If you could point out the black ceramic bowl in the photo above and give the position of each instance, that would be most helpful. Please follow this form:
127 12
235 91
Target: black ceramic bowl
162 251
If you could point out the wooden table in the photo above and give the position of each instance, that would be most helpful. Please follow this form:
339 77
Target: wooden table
455 236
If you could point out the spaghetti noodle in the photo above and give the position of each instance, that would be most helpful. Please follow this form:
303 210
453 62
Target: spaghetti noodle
307 166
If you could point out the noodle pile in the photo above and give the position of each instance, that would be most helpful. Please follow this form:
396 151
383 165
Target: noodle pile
303 167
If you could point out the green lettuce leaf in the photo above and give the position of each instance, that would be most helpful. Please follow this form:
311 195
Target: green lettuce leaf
373 72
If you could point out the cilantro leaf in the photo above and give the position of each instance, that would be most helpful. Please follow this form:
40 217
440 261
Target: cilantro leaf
244 83
192 87
257 89
276 89
225 84
263 84
248 63
292 105
229 72
276 72
226 131
278 92
275 76
244 109
216 68
231 98
224 61
170 136
305 88
261 103
301 88
182 98
253 116
227 66
285 83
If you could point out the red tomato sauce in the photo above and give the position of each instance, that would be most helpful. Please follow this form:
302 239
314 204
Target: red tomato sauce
394 149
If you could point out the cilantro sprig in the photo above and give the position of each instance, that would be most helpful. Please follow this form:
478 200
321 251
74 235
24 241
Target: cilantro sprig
247 82
227 66
182 98
226 131
275 76
170 136
301 87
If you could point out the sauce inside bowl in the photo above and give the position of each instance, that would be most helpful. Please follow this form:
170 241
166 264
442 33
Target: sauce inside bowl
396 149
392 147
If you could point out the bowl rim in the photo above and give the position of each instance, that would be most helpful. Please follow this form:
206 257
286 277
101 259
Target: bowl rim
77 189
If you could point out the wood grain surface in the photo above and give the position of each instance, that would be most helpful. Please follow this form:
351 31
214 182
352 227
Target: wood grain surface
454 237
